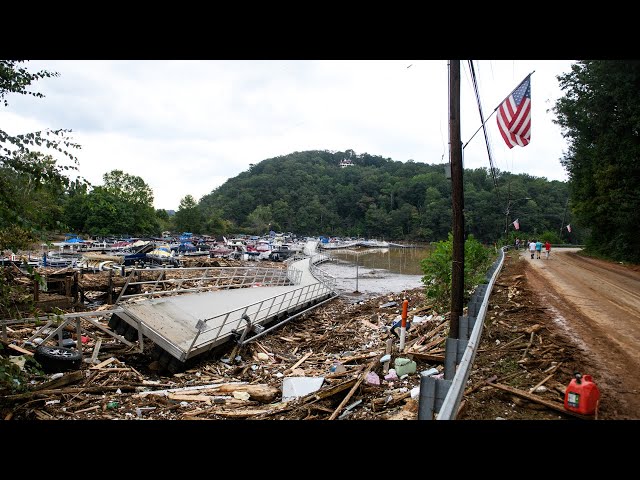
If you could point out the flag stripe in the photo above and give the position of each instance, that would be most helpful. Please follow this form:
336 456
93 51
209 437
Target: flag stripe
514 116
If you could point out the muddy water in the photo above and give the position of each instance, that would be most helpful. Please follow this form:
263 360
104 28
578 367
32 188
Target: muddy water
376 271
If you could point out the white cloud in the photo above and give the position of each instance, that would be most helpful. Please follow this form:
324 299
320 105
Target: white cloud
185 127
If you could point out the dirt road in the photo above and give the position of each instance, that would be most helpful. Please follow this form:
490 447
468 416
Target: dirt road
597 304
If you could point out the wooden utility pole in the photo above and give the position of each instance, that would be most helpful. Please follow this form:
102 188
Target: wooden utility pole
457 199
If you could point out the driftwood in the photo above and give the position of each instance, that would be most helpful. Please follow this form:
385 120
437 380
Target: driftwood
353 389
62 381
395 399
532 398
360 357
526 350
299 362
49 392
429 357
327 392
542 382
261 393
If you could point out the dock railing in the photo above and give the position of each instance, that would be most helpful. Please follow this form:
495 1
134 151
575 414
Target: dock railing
171 281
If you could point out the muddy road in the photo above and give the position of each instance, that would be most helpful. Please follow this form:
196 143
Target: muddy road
597 304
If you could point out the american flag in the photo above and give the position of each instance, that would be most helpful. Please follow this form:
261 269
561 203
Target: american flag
516 224
514 115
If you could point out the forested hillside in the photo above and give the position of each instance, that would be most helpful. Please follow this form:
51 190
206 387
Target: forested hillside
310 193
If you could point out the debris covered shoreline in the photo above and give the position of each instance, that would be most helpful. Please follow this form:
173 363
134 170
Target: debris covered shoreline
336 348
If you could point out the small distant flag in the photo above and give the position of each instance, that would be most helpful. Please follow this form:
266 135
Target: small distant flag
516 224
514 115
569 228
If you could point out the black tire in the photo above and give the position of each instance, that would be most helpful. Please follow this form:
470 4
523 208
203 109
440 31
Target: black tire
122 327
131 333
156 352
113 322
175 366
58 359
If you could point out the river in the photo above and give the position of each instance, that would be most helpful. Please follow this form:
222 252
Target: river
376 271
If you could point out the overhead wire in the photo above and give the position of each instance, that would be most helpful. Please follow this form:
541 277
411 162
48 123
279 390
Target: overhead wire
474 81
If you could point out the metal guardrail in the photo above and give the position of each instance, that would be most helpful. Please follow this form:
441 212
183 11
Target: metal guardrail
210 278
459 360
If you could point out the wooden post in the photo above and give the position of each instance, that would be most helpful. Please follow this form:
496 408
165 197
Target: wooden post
385 365
75 287
36 290
110 290
457 200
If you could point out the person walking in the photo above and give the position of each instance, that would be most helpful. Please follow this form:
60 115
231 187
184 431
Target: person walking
538 248
547 248
532 248
517 243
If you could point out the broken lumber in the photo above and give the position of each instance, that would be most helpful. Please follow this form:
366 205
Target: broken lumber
62 381
429 357
542 382
299 362
353 389
552 405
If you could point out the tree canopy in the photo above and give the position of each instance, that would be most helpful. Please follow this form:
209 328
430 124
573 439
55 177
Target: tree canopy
600 116
32 179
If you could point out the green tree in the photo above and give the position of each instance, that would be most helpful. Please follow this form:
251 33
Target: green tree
260 218
437 269
188 218
600 117
30 179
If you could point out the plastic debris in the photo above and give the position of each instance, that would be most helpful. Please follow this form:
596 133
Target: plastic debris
56 376
404 366
19 361
415 393
385 358
389 304
241 395
262 356
431 371
372 378
391 375
294 387
337 368
112 405
348 409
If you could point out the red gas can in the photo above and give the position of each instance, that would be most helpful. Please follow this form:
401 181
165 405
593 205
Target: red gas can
582 395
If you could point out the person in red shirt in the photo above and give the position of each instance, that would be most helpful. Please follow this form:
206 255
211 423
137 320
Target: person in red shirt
547 248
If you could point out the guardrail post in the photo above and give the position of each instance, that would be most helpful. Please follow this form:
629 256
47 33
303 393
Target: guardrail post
454 350
432 394
467 322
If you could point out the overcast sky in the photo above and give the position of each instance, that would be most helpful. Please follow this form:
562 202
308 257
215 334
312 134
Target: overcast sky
186 126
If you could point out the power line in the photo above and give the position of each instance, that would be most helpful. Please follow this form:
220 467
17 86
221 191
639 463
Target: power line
484 128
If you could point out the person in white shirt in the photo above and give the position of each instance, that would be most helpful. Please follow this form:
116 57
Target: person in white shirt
532 248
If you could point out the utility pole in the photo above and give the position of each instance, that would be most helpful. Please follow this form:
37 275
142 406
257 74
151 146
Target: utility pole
457 199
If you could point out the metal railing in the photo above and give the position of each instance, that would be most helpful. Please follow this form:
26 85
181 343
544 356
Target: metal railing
257 312
171 281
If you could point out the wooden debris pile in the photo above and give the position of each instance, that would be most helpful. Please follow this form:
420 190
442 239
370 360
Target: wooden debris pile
339 346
